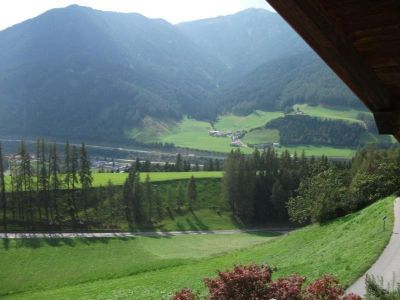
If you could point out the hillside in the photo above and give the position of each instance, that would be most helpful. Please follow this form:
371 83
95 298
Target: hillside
84 74
328 248
245 40
77 72
275 85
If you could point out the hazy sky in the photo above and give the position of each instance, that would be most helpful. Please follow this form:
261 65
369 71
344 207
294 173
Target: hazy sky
174 11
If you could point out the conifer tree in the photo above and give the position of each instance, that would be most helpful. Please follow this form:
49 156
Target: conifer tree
148 198
180 196
55 182
192 193
179 163
159 205
85 178
3 190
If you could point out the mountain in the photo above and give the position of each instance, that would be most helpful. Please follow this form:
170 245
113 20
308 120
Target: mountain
80 73
281 83
245 40
83 73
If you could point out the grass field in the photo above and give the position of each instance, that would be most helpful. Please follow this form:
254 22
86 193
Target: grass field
146 268
102 179
193 134
40 264
257 119
261 135
330 113
311 150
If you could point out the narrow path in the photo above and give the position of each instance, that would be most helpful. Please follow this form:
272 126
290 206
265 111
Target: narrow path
388 264
25 235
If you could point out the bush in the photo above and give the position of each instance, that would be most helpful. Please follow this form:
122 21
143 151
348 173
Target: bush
244 282
376 291
289 288
327 288
255 283
185 294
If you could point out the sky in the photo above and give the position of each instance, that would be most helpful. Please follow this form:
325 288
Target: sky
174 11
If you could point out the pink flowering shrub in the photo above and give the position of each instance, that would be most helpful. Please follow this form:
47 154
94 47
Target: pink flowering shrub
254 282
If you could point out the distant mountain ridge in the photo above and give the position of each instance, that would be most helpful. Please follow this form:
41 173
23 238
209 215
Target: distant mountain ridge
81 73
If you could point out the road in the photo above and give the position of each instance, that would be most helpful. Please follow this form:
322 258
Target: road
388 264
134 234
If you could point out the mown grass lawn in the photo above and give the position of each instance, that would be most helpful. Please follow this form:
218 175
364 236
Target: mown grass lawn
345 247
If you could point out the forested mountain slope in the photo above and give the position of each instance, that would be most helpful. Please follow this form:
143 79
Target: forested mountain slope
86 73
79 73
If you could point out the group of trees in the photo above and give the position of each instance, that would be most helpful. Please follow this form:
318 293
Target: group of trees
44 187
180 165
267 186
143 204
301 129
258 187
372 175
53 190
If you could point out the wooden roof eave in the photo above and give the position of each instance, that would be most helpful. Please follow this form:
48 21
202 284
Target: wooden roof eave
335 48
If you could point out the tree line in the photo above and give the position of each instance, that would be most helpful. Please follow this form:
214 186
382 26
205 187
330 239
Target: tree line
43 186
300 129
53 190
266 186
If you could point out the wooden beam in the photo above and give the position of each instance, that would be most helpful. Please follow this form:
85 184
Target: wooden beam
325 35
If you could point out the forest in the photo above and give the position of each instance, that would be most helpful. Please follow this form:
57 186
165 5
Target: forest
303 129
267 186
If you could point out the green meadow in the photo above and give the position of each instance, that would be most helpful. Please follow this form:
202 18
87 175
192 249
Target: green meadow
256 119
102 179
153 268
331 113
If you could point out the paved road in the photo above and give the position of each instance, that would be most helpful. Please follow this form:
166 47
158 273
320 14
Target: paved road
388 264
134 234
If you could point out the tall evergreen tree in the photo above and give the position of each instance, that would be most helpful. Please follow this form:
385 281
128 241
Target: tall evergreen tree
148 198
179 163
180 196
55 181
85 178
3 190
159 205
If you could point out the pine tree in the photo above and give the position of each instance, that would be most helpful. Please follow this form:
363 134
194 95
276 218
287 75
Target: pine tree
192 193
159 205
148 198
85 178
179 163
180 196
74 165
68 179
55 182
3 190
